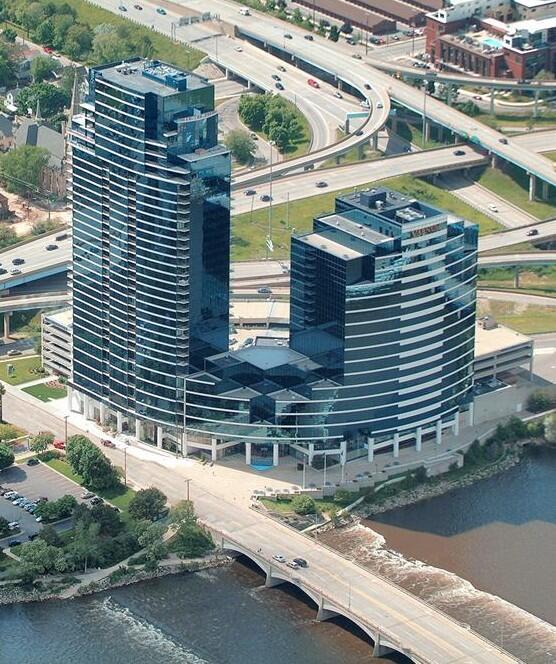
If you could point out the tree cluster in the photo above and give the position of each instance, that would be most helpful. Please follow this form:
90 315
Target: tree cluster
22 167
241 145
272 115
191 540
57 509
6 456
91 464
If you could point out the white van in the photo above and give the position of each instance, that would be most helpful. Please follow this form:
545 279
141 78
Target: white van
244 11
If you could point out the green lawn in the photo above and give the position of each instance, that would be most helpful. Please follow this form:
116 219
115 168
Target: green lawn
518 121
165 49
63 467
22 370
550 155
527 319
45 392
284 506
533 279
249 232
513 185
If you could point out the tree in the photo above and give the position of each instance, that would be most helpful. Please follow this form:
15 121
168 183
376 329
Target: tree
41 441
108 519
192 541
50 535
304 505
42 67
7 432
334 34
241 145
22 167
78 41
469 108
45 33
7 236
111 44
62 23
183 514
2 393
52 99
84 550
38 557
252 111
57 509
9 34
4 528
6 456
147 504
89 462
538 401
151 540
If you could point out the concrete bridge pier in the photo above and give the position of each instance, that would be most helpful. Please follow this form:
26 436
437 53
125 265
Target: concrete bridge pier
536 104
324 614
545 191
374 141
495 161
492 101
271 581
532 187
427 132
516 277
379 650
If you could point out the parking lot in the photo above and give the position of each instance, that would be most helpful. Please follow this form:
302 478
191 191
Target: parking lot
32 482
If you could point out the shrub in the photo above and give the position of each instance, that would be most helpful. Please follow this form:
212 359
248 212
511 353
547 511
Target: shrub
539 401
303 505
6 456
147 504
342 496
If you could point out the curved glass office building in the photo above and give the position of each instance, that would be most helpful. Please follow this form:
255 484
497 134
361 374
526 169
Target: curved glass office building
151 225
381 344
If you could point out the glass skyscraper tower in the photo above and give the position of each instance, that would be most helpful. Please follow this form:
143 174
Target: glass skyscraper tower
150 190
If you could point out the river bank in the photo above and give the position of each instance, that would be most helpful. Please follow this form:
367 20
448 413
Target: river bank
437 486
120 575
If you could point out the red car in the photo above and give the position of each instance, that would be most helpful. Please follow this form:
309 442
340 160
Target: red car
313 83
48 49
107 443
59 444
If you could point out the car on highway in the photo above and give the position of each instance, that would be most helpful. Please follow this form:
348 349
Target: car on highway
279 558
308 37
279 86
15 270
264 290
265 198
238 49
313 83
18 261
3 270
308 167
338 95
51 247
62 236
364 104
138 7
356 56
281 68
250 192
292 564
459 153
492 207
161 11
108 443
122 8
380 105
367 86
504 141
287 36
533 231
321 184
276 77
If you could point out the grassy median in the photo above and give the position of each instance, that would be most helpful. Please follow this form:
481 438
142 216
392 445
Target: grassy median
249 231
22 370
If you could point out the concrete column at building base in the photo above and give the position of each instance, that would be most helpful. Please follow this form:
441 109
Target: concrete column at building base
275 454
370 449
471 414
419 439
248 454
103 413
7 325
184 446
396 445
213 449
138 429
343 452
159 435
87 406
438 432
456 424
119 421
311 454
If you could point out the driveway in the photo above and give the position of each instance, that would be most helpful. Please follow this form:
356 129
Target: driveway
32 482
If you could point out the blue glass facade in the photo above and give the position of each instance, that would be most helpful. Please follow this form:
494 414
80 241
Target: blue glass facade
151 227
381 339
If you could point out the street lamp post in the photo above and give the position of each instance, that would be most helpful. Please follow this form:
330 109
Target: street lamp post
424 112
66 429
187 481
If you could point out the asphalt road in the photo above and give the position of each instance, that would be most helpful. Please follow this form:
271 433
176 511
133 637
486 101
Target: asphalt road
507 238
537 141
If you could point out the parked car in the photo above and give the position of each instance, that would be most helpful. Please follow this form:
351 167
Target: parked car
13 525
14 352
62 236
33 462
96 500
87 494
279 558
59 444
38 519
15 542
107 443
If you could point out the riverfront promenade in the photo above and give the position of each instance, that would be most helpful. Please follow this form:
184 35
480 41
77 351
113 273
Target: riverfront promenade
392 617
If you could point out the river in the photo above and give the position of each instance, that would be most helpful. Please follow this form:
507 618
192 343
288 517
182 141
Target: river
475 553
220 616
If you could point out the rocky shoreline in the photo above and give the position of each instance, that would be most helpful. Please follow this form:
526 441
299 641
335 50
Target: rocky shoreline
15 594
440 487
